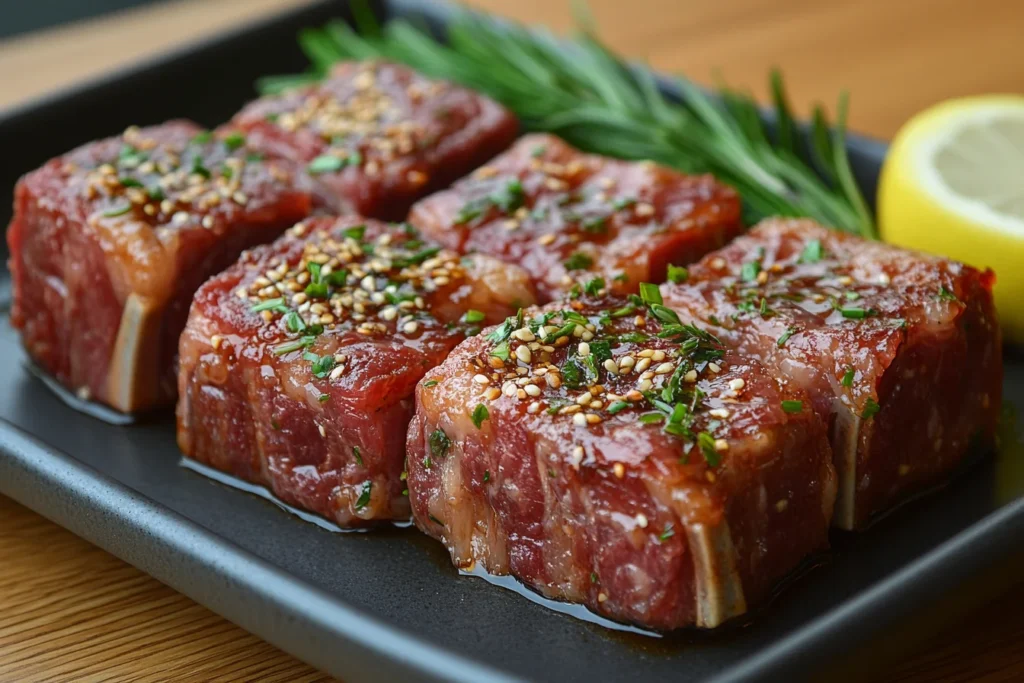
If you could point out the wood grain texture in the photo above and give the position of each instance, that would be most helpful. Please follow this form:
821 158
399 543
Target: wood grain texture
69 611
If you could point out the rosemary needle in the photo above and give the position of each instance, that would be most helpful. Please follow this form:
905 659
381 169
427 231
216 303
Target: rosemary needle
584 93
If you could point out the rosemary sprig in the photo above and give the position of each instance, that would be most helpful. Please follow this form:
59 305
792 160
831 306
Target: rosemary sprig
597 102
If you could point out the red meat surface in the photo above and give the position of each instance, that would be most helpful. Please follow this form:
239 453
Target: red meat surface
380 136
563 216
298 363
109 242
663 481
899 351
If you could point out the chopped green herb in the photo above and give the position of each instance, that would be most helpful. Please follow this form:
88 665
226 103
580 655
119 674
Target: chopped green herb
501 350
572 373
480 413
617 407
356 232
323 398
677 274
651 418
578 261
473 316
439 443
812 252
364 497
359 456
294 345
649 293
749 270
623 203
430 383
871 409
234 140
857 313
792 406
667 533
790 331
595 225
129 182
594 287
848 378
946 295
325 163
294 323
851 296
198 168
202 137
117 211
707 448
538 151
321 365
487 476
156 193
276 305
129 157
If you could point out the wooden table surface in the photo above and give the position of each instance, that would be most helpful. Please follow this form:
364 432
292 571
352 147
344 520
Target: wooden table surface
69 611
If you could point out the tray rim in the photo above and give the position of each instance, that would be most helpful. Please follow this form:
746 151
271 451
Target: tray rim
185 556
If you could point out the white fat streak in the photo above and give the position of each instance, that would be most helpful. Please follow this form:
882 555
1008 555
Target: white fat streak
133 381
845 437
718 590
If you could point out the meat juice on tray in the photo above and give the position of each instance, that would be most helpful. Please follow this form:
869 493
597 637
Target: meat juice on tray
299 363
564 215
604 452
899 351
109 242
379 136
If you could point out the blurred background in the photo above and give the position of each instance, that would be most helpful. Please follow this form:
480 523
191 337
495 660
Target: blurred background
896 57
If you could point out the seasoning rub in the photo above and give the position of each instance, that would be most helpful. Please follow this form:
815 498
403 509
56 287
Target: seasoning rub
609 421
298 363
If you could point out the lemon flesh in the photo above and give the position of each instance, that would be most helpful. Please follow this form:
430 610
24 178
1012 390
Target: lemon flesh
953 184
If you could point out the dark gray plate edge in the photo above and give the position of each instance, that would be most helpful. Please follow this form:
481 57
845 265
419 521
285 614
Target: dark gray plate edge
981 562
308 623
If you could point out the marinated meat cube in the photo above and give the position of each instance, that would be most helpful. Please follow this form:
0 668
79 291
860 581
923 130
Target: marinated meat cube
298 363
608 455
109 242
380 136
563 215
898 350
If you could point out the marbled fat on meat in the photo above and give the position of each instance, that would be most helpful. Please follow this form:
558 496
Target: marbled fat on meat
109 242
564 216
379 136
899 351
298 363
660 480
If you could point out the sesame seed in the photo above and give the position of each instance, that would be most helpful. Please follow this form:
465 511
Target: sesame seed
569 410
584 398
619 469
215 341
718 263
664 369
641 520
481 379
323 432
644 209
583 349
645 385
602 597
658 356
553 380
579 419
410 327
736 384
611 366
587 335
721 445
523 354
532 390
904 469
719 413
634 395
240 198
625 363
640 321
643 364
714 367
509 389
545 240
781 505
533 408
337 371
646 353
492 393
690 376
524 334
591 418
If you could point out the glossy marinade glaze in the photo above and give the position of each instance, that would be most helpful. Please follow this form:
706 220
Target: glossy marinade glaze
563 215
109 242
603 452
298 364
899 351
379 136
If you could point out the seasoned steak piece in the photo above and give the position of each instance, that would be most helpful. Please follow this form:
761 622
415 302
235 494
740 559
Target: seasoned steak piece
607 454
298 363
899 351
564 215
379 135
109 242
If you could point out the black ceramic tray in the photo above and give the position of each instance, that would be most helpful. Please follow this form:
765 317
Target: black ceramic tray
385 605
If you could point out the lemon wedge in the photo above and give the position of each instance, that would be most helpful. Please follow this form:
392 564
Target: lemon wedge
953 184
